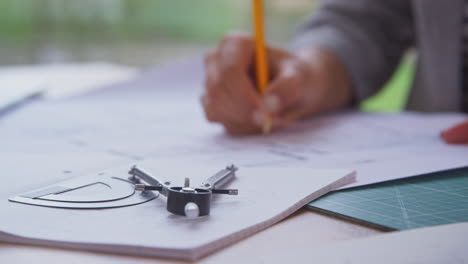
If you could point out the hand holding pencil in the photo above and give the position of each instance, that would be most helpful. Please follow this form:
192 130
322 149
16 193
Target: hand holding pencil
253 88
261 60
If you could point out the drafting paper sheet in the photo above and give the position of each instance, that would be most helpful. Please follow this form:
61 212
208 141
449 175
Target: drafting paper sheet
60 80
265 197
159 117
380 147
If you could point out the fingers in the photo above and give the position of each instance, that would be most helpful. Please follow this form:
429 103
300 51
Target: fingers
221 107
457 134
285 89
236 53
230 97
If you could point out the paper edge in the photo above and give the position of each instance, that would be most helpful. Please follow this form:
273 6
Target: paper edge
214 246
190 254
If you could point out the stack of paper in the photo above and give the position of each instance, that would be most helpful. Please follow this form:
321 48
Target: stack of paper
266 195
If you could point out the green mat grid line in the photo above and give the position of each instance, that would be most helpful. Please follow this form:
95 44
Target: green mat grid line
439 198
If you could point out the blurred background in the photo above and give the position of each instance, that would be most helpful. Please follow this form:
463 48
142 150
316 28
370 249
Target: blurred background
132 32
145 33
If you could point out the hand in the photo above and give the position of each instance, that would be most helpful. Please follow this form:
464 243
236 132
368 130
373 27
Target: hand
301 84
457 134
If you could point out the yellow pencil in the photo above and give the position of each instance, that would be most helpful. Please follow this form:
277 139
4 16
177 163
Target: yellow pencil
261 61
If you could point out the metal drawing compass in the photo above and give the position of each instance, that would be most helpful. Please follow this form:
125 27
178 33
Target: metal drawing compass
187 201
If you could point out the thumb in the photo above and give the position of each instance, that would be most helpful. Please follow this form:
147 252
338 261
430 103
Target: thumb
457 134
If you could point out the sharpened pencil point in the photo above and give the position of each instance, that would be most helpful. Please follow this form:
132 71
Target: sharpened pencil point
267 125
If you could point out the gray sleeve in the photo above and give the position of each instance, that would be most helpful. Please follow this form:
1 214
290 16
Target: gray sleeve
368 36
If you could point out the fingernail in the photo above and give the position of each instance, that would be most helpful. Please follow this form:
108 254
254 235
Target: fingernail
263 121
259 118
272 103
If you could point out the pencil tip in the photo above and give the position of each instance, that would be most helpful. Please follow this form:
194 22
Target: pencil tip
266 129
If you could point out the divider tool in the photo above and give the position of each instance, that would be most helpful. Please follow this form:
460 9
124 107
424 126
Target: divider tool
187 201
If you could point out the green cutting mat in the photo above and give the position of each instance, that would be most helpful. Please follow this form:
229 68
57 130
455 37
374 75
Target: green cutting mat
428 200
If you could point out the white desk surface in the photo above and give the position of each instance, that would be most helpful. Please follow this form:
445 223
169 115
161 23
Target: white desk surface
304 227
